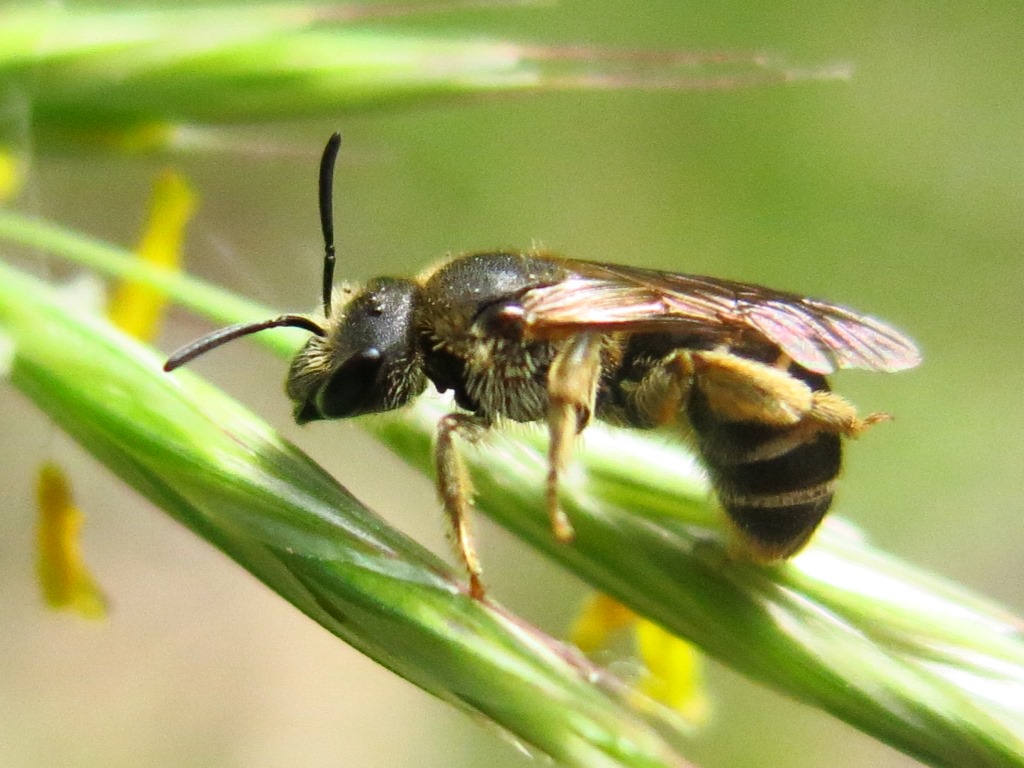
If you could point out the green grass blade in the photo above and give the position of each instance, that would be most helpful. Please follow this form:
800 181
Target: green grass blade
147 78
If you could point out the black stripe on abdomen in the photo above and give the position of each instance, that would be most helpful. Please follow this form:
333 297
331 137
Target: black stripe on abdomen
776 484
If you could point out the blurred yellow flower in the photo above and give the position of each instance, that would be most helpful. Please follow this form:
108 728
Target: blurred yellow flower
138 309
66 582
673 666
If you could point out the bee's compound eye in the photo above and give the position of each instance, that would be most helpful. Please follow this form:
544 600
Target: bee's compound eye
350 390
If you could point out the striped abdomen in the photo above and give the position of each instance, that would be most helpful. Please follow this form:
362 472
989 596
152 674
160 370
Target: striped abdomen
775 483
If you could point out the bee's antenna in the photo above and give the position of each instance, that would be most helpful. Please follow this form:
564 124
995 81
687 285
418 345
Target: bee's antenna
224 335
327 214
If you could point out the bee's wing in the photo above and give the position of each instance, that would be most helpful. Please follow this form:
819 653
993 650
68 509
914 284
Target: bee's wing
819 336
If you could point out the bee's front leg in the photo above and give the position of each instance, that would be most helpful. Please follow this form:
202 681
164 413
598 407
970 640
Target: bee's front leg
455 488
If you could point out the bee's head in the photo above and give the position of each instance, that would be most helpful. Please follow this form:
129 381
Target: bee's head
367 360
363 356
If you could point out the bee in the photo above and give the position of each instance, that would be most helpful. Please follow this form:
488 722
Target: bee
533 337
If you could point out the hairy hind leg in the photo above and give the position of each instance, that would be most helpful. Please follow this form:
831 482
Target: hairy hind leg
743 390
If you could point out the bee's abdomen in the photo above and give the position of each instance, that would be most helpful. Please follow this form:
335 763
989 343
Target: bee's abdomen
775 483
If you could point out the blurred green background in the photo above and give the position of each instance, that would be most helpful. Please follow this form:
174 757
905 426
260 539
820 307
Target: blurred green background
899 193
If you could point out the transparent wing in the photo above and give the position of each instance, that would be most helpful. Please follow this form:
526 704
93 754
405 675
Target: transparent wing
819 336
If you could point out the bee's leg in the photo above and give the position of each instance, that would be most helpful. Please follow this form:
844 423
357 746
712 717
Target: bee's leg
455 489
736 390
659 397
742 390
833 413
572 389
